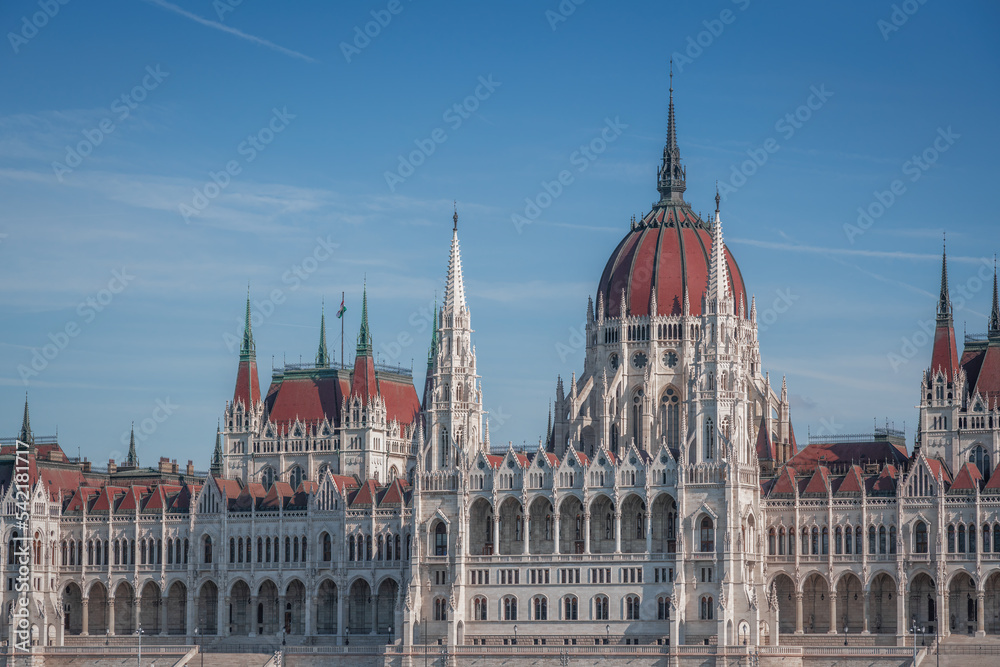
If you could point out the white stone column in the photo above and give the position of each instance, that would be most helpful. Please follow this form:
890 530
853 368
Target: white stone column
111 616
586 532
85 630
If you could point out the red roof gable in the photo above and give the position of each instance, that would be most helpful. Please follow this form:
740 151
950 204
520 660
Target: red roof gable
853 482
785 483
988 381
968 478
819 482
994 484
363 380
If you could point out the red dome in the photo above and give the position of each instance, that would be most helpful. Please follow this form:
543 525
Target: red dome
670 249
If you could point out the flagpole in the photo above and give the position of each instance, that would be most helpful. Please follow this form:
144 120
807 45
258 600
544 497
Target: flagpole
342 362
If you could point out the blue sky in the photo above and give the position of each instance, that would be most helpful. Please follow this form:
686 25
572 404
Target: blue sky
302 130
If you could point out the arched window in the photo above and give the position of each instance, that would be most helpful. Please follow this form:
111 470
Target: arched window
540 608
368 547
892 539
815 541
267 476
296 477
848 540
479 609
232 549
327 547
838 541
440 609
825 541
920 539
670 417
781 541
707 541
996 537
637 418
707 608
601 608
951 539
981 459
858 545
441 539
208 549
709 439
571 608
771 541
881 540
443 445
961 538
972 539
663 608
510 608
871 540
631 608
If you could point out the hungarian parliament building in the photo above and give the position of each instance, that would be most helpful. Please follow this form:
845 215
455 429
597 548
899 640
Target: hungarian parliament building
669 502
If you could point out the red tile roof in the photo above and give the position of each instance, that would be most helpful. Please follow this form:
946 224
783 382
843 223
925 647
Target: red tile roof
247 385
853 482
968 479
994 484
765 448
819 482
944 357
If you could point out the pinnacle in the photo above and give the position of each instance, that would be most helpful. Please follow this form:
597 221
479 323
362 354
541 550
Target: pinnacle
364 336
248 350
322 355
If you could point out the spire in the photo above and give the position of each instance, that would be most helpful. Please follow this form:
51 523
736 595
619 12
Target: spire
132 460
364 336
25 435
454 291
944 301
432 352
248 350
548 429
671 175
322 356
994 314
216 468
718 276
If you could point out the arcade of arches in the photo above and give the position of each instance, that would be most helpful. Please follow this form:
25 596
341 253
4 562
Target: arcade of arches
330 611
880 609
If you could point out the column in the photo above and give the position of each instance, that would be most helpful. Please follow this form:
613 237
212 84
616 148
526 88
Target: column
496 534
833 613
868 611
111 615
649 529
618 531
85 630
281 612
190 614
586 532
980 614
901 622
798 613
945 619
252 615
557 535
527 534
310 615
340 617
163 615
222 614
137 607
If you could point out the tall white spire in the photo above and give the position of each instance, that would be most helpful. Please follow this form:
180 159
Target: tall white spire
718 272
454 291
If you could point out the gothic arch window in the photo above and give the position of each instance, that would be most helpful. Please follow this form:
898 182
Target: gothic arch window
709 439
601 608
707 535
296 477
510 608
443 447
920 538
663 608
951 539
707 610
208 549
981 459
571 608
479 609
637 417
441 539
267 476
540 608
670 417
632 608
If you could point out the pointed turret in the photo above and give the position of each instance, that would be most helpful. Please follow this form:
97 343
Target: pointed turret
454 291
132 460
247 385
216 468
363 382
944 357
718 271
322 356
26 435
671 175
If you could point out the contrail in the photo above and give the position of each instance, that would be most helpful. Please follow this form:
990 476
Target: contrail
232 31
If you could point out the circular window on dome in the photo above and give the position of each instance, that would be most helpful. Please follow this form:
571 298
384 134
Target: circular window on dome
639 359
613 361
670 359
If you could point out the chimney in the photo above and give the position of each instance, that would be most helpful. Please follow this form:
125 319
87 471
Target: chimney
164 465
190 468
112 468
85 465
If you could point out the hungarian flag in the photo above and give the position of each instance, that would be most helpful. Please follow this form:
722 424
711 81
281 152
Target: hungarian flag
343 309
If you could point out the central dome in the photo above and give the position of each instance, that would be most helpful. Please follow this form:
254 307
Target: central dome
667 252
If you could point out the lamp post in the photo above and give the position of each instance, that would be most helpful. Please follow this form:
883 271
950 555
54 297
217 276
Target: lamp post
607 634
515 634
845 634
390 635
347 638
